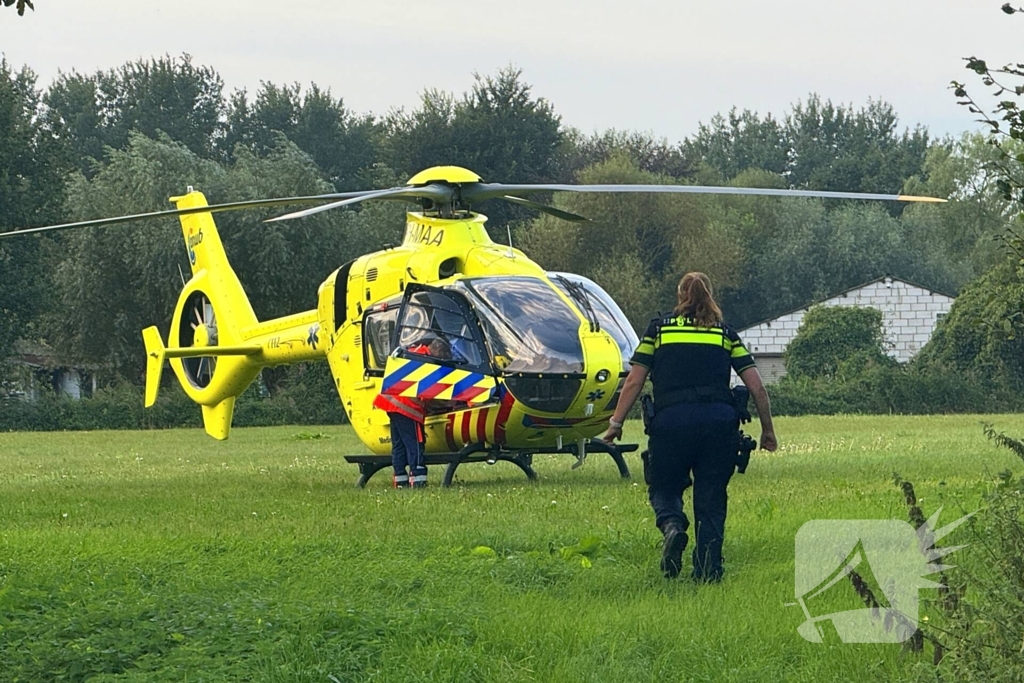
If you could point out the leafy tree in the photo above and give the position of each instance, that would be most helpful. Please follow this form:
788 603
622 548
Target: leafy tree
984 331
114 281
837 340
740 141
31 193
74 113
817 146
764 255
505 132
1006 118
781 270
20 5
645 151
341 143
638 246
983 335
963 232
498 129
169 95
837 148
796 251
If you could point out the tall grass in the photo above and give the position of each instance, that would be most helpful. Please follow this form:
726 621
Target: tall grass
137 556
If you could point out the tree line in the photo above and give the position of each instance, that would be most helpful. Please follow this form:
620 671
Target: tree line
124 140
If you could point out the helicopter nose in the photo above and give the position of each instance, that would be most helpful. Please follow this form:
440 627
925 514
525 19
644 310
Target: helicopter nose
602 354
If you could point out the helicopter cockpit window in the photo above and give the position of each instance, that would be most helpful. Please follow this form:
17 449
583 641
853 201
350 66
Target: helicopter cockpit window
609 315
529 327
378 328
434 326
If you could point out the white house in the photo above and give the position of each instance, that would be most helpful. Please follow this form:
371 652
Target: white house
909 314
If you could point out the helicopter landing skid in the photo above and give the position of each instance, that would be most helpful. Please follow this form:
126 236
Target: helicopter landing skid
369 465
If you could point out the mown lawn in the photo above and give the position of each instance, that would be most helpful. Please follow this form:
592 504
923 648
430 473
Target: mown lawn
164 555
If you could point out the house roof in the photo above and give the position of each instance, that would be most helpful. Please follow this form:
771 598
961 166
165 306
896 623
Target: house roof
38 354
843 293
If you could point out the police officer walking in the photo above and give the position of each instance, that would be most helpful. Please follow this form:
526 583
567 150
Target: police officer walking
694 435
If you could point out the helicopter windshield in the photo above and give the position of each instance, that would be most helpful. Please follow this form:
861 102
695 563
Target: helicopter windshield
609 315
529 327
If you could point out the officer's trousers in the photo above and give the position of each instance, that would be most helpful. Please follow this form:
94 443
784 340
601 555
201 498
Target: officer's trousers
694 445
406 448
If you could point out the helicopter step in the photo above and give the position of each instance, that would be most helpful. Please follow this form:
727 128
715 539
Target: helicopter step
369 465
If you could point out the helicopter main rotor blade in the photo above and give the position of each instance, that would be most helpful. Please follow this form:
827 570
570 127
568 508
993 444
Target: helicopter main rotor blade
544 208
213 208
480 191
457 195
437 193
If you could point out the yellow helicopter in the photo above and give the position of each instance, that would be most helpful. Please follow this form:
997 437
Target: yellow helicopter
533 360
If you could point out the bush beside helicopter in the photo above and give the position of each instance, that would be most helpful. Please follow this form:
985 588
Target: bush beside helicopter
537 358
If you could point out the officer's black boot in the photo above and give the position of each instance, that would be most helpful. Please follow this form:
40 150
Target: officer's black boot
675 543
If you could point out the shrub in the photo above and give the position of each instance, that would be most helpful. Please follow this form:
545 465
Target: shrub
309 400
835 339
979 616
983 335
904 390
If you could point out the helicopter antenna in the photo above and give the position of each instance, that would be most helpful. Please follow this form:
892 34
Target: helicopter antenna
509 229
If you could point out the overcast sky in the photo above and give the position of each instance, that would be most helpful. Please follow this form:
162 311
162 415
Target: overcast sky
653 65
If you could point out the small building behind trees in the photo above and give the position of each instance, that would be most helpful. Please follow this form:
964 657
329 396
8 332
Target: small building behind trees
34 370
909 315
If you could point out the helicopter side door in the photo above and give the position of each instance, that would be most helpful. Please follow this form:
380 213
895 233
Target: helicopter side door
438 351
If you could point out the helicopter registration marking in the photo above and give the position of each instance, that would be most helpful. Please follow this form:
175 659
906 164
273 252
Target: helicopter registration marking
423 234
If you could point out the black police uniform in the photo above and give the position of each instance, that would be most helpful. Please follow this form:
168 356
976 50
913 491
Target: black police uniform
693 437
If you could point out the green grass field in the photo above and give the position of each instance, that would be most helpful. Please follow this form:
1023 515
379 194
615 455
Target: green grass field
164 555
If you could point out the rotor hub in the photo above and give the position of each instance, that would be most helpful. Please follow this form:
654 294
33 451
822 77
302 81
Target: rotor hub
444 174
202 336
